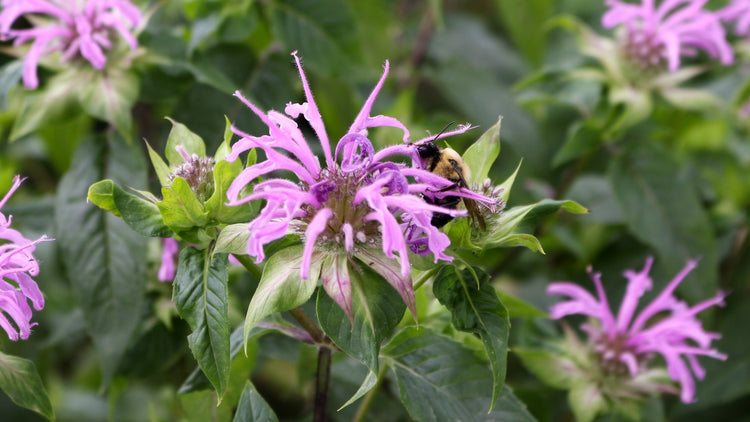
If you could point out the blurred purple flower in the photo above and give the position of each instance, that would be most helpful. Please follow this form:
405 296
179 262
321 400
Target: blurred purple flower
627 342
738 12
660 35
168 268
354 206
75 27
17 266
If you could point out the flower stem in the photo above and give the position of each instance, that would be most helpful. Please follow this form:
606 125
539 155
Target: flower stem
309 325
322 379
251 267
364 407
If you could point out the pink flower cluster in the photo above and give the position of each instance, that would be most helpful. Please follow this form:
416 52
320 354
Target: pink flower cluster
17 267
76 28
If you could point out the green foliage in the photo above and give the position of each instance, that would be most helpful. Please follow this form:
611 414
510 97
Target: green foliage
20 380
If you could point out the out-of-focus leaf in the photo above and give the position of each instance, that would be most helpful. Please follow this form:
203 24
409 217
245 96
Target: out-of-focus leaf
10 76
526 21
439 379
377 309
201 296
252 407
662 210
20 380
583 137
108 96
321 30
475 308
104 259
518 308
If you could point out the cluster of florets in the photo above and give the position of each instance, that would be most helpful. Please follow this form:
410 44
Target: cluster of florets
197 171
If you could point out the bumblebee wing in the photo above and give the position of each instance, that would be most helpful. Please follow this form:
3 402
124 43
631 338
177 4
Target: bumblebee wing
471 207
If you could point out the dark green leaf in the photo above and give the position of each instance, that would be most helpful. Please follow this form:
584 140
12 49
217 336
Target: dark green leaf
104 259
583 137
20 380
476 309
662 209
439 379
321 30
141 215
377 309
201 296
253 408
526 22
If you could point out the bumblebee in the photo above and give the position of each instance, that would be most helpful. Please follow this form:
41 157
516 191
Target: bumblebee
447 163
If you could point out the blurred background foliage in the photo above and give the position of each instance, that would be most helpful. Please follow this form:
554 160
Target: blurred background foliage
676 185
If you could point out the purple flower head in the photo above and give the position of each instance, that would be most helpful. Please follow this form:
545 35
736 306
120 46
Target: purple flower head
657 36
17 266
76 28
737 12
353 205
626 342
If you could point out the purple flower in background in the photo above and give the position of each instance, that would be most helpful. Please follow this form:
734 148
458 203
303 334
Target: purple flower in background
352 206
626 342
17 266
738 12
658 36
168 268
74 27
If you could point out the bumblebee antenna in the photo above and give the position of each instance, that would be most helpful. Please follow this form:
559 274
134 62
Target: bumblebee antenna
443 130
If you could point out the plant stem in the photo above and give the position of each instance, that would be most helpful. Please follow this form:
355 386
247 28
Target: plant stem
251 267
309 325
322 378
364 407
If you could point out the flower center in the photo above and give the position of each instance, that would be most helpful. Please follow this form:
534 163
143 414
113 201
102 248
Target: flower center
198 172
615 356
644 51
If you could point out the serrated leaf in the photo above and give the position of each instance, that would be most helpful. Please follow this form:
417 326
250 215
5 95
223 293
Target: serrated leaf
104 259
377 309
440 379
281 288
201 296
480 156
475 308
252 407
180 135
662 210
20 380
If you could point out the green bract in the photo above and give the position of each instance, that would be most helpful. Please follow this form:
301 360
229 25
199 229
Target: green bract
191 212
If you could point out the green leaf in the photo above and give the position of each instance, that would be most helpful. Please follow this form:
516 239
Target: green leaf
586 400
440 379
551 367
281 288
662 209
20 380
233 239
526 23
475 308
377 309
583 137
161 168
480 156
252 407
104 259
321 30
141 215
180 209
518 308
108 95
215 205
180 135
201 296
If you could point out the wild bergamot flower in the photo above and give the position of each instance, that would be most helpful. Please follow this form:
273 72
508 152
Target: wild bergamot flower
354 205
